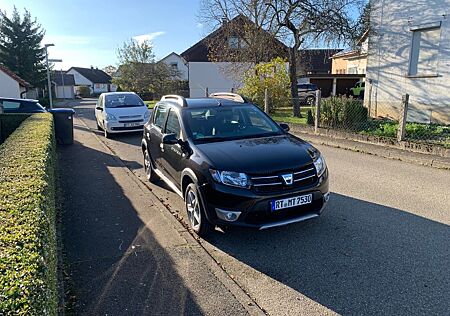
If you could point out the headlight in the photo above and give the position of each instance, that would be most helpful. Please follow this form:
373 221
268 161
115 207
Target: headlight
236 179
110 117
146 116
319 163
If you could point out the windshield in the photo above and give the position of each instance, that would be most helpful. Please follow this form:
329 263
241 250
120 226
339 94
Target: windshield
124 100
227 123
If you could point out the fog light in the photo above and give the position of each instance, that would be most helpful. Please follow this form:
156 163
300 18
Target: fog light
326 197
229 216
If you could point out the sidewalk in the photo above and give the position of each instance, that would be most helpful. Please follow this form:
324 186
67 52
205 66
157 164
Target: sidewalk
377 150
125 253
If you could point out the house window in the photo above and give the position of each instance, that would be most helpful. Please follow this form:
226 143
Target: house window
352 70
233 42
174 66
424 51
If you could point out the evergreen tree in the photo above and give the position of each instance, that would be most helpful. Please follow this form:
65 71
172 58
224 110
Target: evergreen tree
20 47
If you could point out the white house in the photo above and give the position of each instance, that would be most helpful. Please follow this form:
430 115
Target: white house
64 85
409 52
177 63
97 80
11 85
207 76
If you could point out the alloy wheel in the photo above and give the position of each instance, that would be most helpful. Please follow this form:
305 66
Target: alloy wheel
147 166
193 209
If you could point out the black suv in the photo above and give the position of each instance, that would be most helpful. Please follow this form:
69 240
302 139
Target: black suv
232 164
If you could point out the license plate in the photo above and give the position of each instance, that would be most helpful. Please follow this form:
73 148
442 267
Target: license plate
291 202
131 124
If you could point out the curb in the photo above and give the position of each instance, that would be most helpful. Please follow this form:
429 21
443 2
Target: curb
222 276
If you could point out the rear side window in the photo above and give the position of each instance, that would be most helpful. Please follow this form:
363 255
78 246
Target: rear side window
173 124
11 105
160 116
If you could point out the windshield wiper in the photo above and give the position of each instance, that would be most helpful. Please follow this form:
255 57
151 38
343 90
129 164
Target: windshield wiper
212 139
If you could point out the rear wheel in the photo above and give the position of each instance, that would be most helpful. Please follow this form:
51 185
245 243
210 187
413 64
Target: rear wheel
195 211
149 172
310 101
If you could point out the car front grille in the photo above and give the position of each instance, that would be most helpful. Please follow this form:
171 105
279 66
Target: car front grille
303 177
133 121
131 128
130 116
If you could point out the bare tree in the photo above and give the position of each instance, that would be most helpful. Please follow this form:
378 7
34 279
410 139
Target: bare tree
243 34
138 71
312 21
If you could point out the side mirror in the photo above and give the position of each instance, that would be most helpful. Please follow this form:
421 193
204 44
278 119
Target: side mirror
285 127
170 139
99 108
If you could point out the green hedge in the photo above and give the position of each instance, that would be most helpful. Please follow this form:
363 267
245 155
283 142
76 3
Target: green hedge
8 124
28 279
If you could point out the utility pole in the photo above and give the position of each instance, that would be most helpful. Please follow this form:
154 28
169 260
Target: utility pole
48 74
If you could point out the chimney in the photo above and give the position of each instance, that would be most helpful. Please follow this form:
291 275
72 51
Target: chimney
224 20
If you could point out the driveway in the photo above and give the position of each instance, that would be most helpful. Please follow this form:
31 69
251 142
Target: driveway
381 248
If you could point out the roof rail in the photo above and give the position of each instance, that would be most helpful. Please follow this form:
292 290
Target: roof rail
228 96
175 98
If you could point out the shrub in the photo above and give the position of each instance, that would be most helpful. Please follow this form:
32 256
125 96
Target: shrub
27 219
9 123
342 112
84 91
272 76
45 102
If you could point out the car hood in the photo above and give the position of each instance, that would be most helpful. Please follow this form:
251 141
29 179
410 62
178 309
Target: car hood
258 155
128 112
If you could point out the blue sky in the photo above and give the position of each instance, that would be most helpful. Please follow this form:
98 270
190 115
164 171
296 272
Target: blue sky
88 33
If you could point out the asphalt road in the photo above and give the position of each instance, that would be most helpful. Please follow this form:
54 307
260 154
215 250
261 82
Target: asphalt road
381 248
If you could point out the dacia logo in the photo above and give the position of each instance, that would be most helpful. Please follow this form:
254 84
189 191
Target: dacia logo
288 178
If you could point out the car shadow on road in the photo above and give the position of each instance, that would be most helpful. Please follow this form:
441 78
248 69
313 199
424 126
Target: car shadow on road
115 263
359 258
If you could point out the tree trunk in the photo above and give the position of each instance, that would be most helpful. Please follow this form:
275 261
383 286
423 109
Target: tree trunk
293 79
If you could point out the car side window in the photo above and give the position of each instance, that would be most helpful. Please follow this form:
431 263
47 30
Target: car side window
11 105
160 116
173 124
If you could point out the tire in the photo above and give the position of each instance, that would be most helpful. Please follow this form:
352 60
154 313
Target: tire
310 101
107 135
148 167
195 211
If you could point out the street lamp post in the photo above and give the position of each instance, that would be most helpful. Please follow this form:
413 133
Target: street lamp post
48 74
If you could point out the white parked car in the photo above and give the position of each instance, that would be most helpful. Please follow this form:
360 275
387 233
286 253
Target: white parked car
120 112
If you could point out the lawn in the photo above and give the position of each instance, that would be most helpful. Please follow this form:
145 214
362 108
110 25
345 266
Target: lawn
150 104
285 115
431 133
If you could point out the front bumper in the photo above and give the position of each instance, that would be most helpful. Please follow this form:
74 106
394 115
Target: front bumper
256 209
119 127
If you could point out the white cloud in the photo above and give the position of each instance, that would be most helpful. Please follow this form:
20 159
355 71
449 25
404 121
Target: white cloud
148 37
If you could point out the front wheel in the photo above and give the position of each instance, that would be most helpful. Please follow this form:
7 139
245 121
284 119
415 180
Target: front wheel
107 135
195 211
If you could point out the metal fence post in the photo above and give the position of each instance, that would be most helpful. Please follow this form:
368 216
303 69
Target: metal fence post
317 118
402 119
266 101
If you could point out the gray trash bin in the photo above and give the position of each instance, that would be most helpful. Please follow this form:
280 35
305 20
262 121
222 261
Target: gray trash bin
63 119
